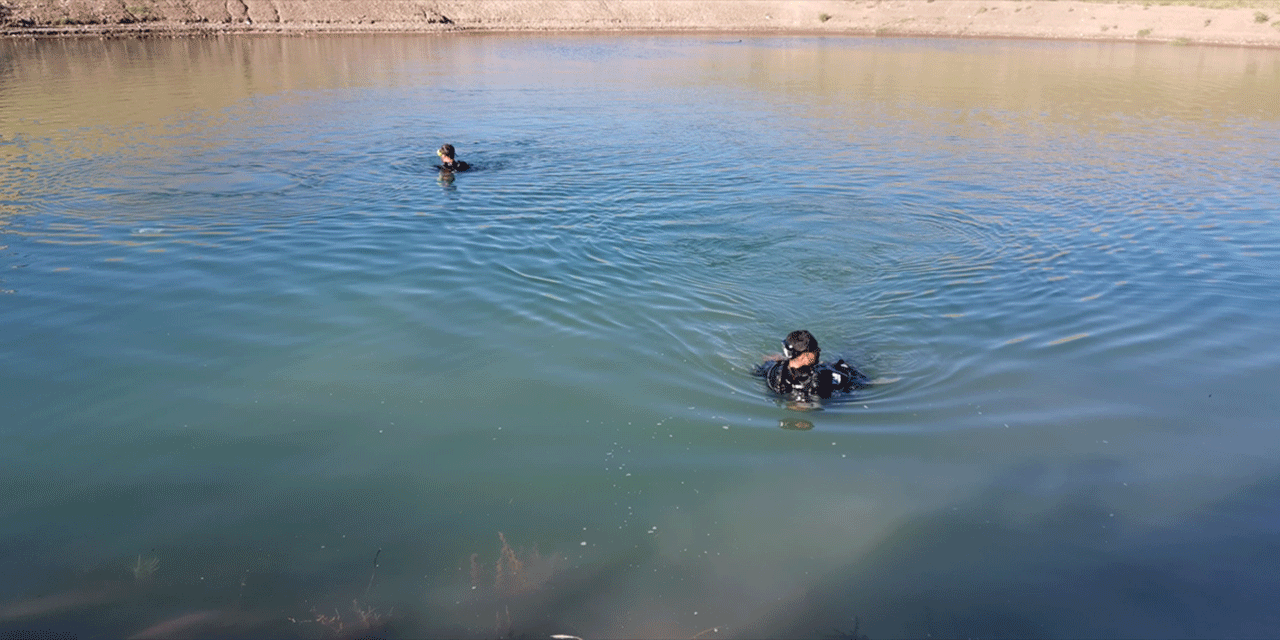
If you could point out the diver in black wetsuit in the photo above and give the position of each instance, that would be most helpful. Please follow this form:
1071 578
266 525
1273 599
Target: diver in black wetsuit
798 375
447 160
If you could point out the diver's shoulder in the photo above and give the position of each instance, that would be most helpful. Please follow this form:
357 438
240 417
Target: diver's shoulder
457 166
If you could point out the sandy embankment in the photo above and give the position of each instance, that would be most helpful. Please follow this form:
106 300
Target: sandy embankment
1256 23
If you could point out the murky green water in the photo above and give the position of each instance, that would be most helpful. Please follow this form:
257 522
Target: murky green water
249 341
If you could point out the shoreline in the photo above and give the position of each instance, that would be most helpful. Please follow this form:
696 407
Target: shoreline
1247 24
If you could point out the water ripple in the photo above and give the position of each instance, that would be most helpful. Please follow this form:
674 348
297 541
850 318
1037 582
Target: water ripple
1037 259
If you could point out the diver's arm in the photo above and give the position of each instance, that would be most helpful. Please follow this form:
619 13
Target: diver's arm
762 369
852 377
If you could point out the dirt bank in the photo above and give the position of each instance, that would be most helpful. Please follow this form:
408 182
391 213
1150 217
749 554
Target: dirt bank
1255 23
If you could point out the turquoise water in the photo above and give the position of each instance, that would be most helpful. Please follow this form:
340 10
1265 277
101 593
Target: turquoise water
251 343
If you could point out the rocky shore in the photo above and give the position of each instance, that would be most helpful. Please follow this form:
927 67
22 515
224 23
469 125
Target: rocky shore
1221 22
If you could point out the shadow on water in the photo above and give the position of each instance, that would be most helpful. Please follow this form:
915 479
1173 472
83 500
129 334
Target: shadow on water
942 574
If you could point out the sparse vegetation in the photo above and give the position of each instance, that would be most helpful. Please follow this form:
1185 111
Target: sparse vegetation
516 571
137 13
365 619
186 16
855 634
1142 33
1181 42
515 574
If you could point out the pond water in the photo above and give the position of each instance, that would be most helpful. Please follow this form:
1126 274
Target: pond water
262 370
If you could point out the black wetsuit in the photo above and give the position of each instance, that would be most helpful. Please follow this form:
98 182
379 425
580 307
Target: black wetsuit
458 165
807 383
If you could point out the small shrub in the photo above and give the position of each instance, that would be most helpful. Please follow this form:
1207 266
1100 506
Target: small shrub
1144 33
1181 42
823 17
1208 21
1260 17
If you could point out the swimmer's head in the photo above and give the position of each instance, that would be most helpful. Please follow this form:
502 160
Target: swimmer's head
445 151
799 342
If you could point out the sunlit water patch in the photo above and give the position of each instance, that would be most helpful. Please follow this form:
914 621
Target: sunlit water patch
267 373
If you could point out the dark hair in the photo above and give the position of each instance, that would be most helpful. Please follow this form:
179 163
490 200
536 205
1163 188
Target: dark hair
447 150
801 341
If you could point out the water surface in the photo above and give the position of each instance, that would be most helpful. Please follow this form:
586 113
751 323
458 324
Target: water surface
251 341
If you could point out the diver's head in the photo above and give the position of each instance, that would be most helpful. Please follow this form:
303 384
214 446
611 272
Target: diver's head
801 349
446 152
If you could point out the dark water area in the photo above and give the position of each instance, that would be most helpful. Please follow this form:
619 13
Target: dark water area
253 345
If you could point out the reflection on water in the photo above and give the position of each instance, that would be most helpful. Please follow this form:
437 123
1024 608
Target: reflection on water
795 424
266 372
